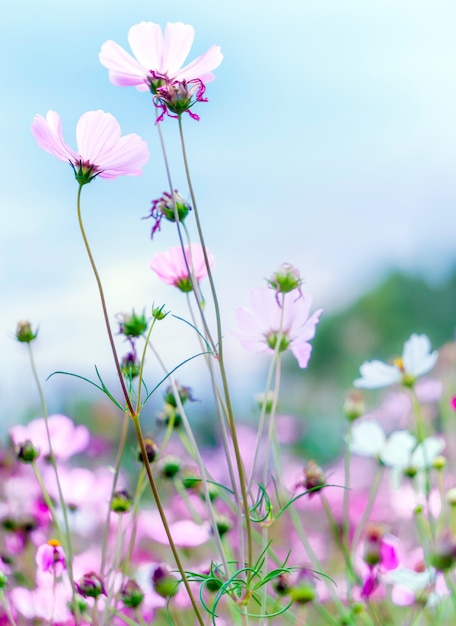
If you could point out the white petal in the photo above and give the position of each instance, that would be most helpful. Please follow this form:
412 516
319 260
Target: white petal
426 452
398 449
417 356
376 374
367 438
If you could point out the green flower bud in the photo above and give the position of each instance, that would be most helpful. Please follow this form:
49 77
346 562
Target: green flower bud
131 594
121 502
132 325
285 279
26 452
91 585
164 582
170 466
24 332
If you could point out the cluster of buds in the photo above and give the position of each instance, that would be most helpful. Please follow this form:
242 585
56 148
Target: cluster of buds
168 207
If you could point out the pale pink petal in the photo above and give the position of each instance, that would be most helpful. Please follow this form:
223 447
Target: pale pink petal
202 66
176 47
97 133
124 70
48 135
146 42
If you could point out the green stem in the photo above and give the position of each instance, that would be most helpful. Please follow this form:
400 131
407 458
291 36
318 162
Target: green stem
162 514
231 421
367 511
120 451
105 310
65 536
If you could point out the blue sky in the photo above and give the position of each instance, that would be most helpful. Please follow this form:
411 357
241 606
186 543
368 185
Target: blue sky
328 141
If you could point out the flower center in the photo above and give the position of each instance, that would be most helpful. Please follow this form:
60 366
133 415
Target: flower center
277 341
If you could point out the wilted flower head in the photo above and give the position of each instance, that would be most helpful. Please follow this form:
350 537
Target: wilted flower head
101 150
158 56
417 359
267 322
286 278
164 206
172 267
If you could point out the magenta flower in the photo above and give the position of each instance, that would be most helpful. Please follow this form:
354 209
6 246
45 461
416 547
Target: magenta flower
261 323
101 150
172 267
157 55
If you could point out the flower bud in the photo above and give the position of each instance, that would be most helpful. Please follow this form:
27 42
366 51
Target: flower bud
265 401
303 590
121 501
131 594
285 279
130 366
132 325
3 580
166 207
451 496
223 523
159 313
281 584
314 477
373 545
170 466
439 463
354 405
164 582
91 585
151 450
443 555
26 451
24 332
185 393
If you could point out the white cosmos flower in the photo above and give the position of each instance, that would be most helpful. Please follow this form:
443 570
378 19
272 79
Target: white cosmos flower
398 451
417 359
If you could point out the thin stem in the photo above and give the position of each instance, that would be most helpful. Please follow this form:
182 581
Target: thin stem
66 536
231 422
105 310
120 450
5 603
367 511
162 514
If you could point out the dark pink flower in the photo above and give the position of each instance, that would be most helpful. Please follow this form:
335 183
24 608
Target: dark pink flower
268 321
101 150
172 267
157 55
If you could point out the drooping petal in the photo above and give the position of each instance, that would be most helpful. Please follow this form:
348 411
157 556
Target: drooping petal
49 136
417 356
376 374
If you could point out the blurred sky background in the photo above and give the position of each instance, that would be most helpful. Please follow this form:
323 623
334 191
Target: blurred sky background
329 141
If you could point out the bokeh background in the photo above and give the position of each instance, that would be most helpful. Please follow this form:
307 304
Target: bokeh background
329 141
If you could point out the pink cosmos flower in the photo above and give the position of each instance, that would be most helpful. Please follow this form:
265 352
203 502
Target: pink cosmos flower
158 55
67 439
172 267
261 323
101 150
50 557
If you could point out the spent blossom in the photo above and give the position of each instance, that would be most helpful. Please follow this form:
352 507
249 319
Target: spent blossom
175 266
417 359
166 207
267 322
159 57
101 149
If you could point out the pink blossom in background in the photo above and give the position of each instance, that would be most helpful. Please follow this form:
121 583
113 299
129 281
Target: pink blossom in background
67 439
260 324
157 54
171 266
453 403
50 557
101 150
